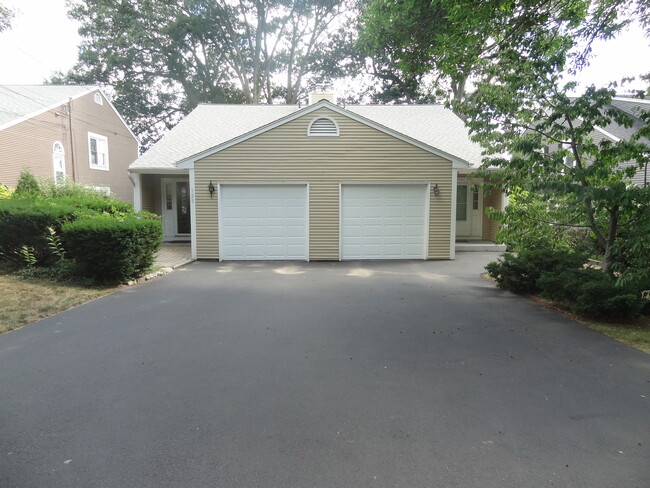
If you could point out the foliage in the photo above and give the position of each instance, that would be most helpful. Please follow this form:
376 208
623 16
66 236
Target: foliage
602 299
564 286
164 58
28 185
6 16
520 273
29 223
530 222
5 192
110 249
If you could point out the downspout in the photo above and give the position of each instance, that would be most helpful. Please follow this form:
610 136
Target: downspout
72 157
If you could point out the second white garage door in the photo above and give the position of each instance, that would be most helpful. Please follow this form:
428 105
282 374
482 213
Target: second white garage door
383 221
263 222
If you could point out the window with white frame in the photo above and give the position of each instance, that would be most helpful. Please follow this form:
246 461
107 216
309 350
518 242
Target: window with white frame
98 151
58 162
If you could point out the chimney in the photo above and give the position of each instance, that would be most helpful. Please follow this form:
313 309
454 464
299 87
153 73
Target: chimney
321 92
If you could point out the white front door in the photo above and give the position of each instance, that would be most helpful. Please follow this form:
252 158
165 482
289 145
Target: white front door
469 209
383 221
176 215
263 221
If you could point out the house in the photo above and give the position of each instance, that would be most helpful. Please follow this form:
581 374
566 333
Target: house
321 182
71 132
614 132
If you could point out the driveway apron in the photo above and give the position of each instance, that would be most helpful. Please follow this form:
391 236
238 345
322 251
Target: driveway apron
355 374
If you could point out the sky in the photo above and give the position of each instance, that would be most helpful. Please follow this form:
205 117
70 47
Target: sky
43 40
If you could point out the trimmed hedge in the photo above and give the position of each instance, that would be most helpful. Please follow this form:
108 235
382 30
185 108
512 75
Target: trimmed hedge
562 277
110 249
520 273
27 222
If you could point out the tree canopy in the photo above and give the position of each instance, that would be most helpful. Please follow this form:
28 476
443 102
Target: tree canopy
162 58
6 16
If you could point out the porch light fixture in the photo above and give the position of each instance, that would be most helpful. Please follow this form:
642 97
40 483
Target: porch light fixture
211 188
436 190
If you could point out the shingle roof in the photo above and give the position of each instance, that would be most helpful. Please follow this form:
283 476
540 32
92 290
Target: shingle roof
205 127
209 126
19 101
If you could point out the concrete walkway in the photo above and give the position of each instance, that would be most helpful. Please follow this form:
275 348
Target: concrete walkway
173 255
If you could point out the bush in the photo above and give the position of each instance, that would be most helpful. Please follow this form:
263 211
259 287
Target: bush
27 184
602 299
110 249
27 223
521 273
565 286
5 193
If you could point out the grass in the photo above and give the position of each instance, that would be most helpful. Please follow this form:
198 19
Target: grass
24 301
636 334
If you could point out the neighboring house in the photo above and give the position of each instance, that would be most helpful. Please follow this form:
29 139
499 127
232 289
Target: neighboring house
633 107
321 182
71 132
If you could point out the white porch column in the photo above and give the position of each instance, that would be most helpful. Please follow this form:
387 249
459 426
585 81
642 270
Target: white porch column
193 211
454 190
137 190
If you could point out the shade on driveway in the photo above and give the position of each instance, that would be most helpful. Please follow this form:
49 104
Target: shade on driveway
373 374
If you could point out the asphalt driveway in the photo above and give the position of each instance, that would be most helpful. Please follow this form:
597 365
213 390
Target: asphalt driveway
394 374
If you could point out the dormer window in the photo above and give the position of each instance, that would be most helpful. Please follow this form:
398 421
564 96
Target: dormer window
323 127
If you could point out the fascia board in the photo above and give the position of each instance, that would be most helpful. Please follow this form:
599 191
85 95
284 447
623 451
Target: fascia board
456 162
153 171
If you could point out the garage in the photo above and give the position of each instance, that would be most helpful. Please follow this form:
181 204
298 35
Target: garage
263 221
383 221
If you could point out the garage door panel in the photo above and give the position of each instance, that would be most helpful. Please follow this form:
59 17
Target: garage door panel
263 222
383 221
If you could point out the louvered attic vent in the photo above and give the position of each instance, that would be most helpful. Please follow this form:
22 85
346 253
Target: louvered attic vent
323 126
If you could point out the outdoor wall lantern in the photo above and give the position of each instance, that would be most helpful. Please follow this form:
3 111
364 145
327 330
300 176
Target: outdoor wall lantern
436 190
211 188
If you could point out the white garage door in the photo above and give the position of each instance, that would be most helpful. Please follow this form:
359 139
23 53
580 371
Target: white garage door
383 221
263 222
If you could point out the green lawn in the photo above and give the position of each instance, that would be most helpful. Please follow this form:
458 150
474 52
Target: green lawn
25 301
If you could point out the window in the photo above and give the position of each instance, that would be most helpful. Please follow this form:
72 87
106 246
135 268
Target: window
475 198
98 99
58 162
323 126
461 202
98 151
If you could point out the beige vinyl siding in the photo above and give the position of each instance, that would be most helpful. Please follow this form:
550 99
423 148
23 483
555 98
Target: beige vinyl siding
29 144
287 154
494 199
88 116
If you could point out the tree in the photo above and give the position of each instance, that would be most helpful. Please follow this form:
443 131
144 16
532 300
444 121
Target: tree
164 58
458 42
554 152
6 16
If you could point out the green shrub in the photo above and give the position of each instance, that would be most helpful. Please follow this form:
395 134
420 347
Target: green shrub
520 273
110 249
30 223
565 286
97 203
602 299
5 192
27 184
